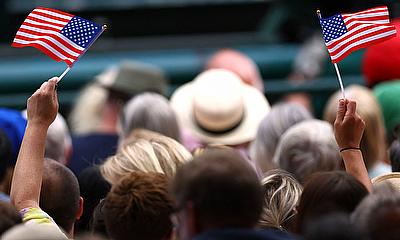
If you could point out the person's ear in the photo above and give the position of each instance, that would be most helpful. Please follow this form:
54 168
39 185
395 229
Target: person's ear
80 209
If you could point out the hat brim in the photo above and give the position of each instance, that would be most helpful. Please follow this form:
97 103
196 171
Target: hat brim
255 104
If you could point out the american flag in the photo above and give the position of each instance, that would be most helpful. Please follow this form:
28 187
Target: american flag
345 33
60 35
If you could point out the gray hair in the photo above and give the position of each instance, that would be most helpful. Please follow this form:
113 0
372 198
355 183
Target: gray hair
281 117
281 195
58 140
150 111
306 148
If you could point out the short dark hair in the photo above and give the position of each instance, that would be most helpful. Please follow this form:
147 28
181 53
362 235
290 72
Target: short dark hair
5 154
59 195
223 187
378 215
327 193
9 217
139 207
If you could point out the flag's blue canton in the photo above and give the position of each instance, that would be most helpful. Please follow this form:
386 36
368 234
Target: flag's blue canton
81 31
333 27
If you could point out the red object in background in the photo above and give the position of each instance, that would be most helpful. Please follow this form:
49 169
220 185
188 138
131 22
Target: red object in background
381 62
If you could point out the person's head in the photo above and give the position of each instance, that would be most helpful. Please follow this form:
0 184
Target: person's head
281 195
85 115
93 188
59 195
394 155
58 140
332 227
139 207
146 152
281 117
326 193
150 111
5 154
377 217
238 63
373 142
218 108
9 216
306 148
217 189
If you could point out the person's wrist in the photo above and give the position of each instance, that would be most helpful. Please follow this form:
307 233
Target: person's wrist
343 149
38 124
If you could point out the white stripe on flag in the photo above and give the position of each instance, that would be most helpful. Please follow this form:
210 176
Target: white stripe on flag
45 45
66 17
365 40
60 45
48 19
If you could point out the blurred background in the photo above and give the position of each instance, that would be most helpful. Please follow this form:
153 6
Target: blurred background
179 36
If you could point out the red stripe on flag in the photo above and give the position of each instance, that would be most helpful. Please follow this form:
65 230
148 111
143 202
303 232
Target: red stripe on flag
46 22
43 49
40 27
357 40
56 11
348 35
364 45
66 44
50 43
51 16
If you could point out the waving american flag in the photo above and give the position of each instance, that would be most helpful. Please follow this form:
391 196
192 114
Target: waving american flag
345 33
60 35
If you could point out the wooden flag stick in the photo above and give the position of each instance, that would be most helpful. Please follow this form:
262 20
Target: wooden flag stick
335 64
103 28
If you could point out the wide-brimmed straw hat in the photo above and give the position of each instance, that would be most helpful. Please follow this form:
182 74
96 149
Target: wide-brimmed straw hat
392 178
218 108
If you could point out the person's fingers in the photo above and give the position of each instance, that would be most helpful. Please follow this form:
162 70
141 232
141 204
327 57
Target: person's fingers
351 108
341 111
50 86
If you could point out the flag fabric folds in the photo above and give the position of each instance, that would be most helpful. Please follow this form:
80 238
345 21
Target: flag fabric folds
60 35
345 33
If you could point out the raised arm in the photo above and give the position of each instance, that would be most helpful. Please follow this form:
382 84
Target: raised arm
42 109
349 128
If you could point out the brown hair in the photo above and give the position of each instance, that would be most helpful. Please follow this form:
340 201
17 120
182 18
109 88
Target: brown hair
9 217
328 192
223 188
138 207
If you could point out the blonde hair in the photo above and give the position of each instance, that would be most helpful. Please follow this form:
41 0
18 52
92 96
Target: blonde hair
281 195
373 142
145 151
86 113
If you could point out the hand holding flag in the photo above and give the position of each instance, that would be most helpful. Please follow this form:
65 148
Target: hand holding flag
62 36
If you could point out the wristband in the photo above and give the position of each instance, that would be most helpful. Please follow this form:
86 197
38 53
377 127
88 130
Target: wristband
350 148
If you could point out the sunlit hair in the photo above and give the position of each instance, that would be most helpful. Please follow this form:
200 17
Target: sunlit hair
86 113
281 117
145 151
150 111
373 142
281 195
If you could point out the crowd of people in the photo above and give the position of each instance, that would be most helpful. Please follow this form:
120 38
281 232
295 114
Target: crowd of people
215 161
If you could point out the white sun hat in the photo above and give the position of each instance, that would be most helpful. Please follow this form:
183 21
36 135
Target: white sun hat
218 108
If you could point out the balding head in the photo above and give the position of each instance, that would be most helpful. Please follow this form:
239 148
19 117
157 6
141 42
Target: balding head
59 195
238 63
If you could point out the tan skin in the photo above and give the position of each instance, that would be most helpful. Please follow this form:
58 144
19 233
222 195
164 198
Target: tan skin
348 129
